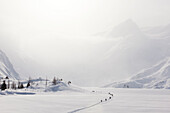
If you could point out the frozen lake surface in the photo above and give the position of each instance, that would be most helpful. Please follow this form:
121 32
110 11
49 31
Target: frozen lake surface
123 101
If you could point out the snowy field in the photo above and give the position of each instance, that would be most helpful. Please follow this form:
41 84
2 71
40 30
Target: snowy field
123 101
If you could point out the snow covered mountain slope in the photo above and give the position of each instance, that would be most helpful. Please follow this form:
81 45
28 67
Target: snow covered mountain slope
127 50
132 50
158 32
6 68
158 76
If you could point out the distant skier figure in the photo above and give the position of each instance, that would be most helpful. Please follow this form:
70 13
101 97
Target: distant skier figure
69 82
105 99
101 101
110 97
3 86
111 94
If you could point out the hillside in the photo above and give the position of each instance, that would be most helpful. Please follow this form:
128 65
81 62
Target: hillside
6 68
158 76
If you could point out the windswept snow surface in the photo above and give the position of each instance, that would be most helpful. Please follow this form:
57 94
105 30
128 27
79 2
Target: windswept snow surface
158 76
123 101
6 68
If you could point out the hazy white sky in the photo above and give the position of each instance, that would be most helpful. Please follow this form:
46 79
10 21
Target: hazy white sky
34 23
34 27
79 16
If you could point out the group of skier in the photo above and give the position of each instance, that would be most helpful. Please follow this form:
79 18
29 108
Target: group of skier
110 97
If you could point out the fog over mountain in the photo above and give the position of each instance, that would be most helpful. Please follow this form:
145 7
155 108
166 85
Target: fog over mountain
88 56
115 55
89 42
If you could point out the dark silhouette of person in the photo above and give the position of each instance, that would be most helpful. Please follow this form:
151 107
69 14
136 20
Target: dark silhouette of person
3 86
69 82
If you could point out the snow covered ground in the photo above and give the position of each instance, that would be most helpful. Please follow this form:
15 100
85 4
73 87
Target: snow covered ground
123 101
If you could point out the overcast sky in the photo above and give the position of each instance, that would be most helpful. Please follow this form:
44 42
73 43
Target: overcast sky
28 21
79 16
35 28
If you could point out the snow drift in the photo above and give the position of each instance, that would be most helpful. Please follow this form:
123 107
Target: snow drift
62 86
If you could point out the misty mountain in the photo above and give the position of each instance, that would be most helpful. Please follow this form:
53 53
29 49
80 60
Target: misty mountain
6 68
128 27
157 76
134 50
126 50
91 61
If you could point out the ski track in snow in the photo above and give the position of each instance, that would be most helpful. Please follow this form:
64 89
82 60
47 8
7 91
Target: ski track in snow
84 108
125 100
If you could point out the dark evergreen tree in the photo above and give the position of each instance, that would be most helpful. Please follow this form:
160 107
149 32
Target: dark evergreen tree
13 86
8 84
21 86
3 86
54 81
46 82
0 83
28 84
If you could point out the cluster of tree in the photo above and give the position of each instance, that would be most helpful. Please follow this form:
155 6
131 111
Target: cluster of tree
56 81
12 85
9 84
20 85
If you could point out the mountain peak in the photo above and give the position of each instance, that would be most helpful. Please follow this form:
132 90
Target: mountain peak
128 27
